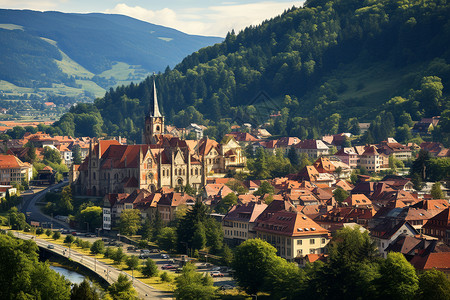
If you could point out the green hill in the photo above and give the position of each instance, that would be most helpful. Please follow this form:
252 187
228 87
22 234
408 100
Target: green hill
84 54
320 66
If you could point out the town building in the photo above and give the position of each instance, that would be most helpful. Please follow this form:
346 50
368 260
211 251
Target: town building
13 170
238 224
163 161
292 233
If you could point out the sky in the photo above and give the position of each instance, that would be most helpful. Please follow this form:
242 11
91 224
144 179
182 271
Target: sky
202 17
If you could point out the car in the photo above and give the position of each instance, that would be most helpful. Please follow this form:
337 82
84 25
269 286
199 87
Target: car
50 246
178 270
145 251
74 233
216 274
168 267
154 250
226 287
91 235
131 248
144 256
165 256
215 269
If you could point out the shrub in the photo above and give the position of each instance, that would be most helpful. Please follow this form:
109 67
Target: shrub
56 235
165 277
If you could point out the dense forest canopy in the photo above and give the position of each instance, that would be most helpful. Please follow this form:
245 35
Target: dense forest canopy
324 67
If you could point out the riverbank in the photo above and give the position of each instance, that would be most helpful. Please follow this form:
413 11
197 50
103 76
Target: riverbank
58 261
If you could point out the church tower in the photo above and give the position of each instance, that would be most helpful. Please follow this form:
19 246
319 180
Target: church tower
154 121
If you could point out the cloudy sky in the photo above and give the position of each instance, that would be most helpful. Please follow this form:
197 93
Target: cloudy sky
203 17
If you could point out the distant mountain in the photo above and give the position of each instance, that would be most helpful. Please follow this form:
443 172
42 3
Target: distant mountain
86 51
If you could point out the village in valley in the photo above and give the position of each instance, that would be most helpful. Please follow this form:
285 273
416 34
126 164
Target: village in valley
339 185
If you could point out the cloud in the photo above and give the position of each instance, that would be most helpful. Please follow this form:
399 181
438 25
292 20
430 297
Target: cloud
31 4
214 20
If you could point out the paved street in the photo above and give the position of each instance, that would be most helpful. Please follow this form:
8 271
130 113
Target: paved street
33 212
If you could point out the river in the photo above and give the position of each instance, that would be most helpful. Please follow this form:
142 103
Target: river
72 276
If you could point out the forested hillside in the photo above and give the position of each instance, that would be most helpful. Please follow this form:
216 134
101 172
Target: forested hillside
44 48
324 67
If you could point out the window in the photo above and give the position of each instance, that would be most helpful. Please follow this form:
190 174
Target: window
299 242
323 241
311 241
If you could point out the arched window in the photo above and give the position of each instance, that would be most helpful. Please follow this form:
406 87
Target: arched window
196 171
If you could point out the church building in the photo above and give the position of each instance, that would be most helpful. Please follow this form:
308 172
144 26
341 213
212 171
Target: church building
161 161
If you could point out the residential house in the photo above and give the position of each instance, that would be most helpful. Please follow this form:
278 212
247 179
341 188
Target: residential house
348 156
439 226
313 148
292 233
386 233
13 170
372 160
357 200
397 150
171 202
238 223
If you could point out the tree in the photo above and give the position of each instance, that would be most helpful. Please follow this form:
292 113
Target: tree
433 285
133 262
56 235
398 278
157 225
340 194
193 285
92 215
48 232
52 155
16 219
419 165
264 188
227 256
65 205
77 155
351 268
436 192
109 252
98 247
118 256
146 230
167 239
199 238
150 269
255 257
226 203
122 289
22 276
285 280
130 221
293 156
84 291
69 239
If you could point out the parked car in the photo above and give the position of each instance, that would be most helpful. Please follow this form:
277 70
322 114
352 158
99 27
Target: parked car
154 250
131 248
50 247
90 235
216 269
168 267
178 270
226 287
144 255
145 251
216 274
165 256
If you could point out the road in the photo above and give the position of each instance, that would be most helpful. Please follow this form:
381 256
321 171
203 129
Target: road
34 213
107 272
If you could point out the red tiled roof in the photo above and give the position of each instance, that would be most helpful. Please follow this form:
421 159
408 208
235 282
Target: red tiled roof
440 261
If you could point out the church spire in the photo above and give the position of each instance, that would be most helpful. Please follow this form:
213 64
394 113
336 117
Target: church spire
156 112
